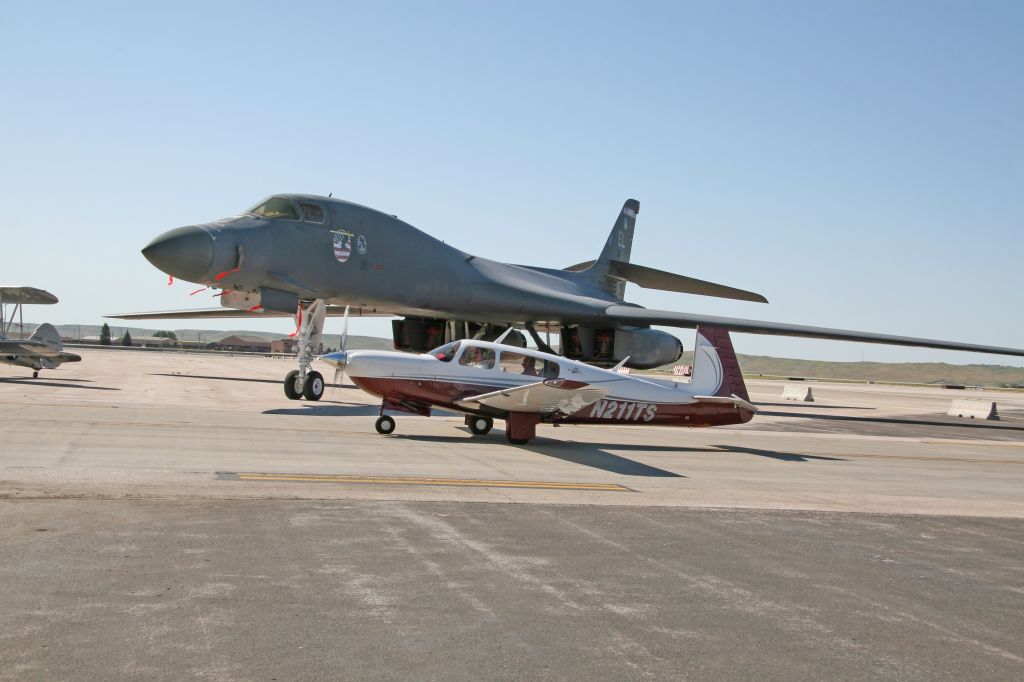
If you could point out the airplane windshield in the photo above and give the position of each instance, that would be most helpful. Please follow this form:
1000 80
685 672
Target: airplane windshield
446 352
277 208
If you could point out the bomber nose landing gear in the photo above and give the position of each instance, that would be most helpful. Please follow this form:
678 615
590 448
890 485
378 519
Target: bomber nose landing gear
302 382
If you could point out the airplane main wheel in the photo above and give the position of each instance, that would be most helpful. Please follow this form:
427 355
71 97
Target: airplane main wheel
35 375
290 389
313 386
385 425
480 426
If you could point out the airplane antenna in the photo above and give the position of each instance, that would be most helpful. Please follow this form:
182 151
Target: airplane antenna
330 195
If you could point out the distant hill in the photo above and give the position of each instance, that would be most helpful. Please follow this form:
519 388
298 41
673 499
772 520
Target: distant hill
891 372
752 365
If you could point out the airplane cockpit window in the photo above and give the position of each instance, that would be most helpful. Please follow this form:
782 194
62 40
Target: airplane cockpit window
277 208
518 363
481 358
311 213
446 352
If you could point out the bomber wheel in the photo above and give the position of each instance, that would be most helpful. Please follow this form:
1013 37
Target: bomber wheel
313 386
480 426
384 425
290 389
35 375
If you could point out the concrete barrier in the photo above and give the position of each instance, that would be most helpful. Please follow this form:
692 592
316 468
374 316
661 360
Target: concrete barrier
973 409
801 393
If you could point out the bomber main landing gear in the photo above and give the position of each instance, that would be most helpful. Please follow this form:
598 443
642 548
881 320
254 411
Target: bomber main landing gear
302 382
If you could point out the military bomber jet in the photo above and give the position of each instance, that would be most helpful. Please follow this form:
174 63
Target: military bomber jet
313 256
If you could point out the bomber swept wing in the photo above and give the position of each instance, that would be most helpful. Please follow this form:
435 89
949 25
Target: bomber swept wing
543 397
635 315
204 313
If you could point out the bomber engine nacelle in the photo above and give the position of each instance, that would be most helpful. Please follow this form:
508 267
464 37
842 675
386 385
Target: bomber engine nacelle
646 348
419 335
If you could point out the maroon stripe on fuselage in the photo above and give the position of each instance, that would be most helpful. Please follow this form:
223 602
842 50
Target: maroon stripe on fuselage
443 394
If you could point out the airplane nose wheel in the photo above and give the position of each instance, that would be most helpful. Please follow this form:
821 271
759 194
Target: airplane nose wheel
480 426
313 386
385 425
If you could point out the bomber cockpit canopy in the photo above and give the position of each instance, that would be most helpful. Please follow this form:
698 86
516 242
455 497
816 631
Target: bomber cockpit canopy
285 208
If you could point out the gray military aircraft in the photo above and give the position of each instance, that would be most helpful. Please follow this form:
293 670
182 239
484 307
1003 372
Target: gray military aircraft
313 256
43 349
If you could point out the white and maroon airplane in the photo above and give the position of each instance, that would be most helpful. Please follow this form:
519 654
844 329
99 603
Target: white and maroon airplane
525 387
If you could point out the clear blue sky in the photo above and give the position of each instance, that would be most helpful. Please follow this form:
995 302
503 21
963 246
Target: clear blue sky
859 163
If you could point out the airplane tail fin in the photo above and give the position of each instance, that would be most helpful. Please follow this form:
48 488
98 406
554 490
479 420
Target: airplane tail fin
49 335
616 249
716 371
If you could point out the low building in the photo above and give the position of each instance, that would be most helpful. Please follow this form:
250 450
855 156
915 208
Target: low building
286 345
241 344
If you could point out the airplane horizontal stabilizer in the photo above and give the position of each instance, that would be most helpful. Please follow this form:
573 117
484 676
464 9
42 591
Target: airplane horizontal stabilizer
543 397
635 315
734 400
31 348
652 278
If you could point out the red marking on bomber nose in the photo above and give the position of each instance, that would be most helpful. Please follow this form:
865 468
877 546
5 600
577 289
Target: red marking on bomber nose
225 274
170 280
198 290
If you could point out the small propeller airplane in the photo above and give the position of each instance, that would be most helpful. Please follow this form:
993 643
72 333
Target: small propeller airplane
525 387
43 349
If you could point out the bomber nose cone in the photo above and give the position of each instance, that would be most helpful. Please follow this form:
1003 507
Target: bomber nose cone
185 253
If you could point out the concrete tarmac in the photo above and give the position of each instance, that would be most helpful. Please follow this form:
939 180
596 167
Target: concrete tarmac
172 515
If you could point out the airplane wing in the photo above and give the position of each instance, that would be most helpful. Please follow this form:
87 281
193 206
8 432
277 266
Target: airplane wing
29 348
544 397
631 315
26 296
201 313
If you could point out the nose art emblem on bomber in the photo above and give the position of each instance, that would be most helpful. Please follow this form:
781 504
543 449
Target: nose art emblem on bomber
342 245
361 245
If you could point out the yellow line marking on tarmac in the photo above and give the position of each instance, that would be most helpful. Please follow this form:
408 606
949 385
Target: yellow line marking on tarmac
412 480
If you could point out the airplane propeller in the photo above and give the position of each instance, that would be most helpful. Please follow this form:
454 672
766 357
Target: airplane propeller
339 360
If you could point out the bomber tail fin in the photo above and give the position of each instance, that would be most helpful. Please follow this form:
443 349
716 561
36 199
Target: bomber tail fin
616 250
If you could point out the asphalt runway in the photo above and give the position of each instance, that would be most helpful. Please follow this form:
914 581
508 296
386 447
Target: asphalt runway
166 515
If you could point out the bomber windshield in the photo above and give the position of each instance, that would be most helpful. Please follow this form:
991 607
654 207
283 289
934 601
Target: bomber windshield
277 208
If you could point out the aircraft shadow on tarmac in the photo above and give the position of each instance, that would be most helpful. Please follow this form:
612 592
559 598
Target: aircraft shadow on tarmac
61 384
815 406
782 456
586 454
326 408
248 379
898 421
